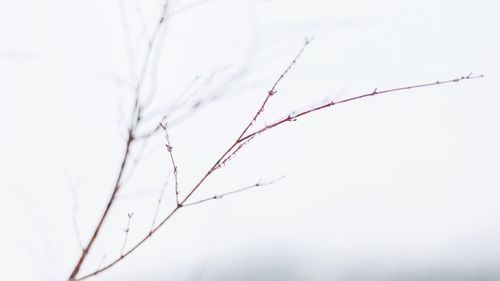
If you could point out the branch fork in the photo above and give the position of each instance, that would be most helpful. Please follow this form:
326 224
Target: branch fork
241 141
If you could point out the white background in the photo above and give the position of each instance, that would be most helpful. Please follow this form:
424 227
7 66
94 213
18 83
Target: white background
397 187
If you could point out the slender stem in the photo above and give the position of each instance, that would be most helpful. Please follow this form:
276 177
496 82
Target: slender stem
126 230
214 167
294 117
160 200
289 118
271 92
135 120
117 185
172 161
222 195
125 254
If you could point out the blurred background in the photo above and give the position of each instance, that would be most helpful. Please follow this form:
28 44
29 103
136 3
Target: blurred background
402 186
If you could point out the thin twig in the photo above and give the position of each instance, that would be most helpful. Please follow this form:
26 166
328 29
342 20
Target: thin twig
294 117
214 167
156 53
134 123
160 199
131 250
233 153
138 107
222 195
271 92
237 142
244 137
126 230
111 200
172 161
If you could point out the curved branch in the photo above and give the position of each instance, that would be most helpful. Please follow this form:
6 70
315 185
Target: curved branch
244 137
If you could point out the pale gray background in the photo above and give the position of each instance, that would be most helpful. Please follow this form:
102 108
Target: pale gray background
398 187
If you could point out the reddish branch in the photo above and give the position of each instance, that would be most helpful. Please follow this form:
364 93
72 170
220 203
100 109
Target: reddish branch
222 195
111 200
172 161
294 117
272 91
241 140
134 124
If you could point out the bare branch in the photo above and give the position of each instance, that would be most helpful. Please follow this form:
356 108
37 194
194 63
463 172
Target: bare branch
134 123
138 107
156 53
237 142
160 199
131 250
222 195
233 153
111 200
126 230
294 117
172 160
242 140
271 92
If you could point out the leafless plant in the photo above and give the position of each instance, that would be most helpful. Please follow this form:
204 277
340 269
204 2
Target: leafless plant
136 133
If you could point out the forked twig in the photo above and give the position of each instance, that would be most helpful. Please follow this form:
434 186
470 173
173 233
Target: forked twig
134 124
294 117
158 205
272 91
243 139
237 142
214 167
111 200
